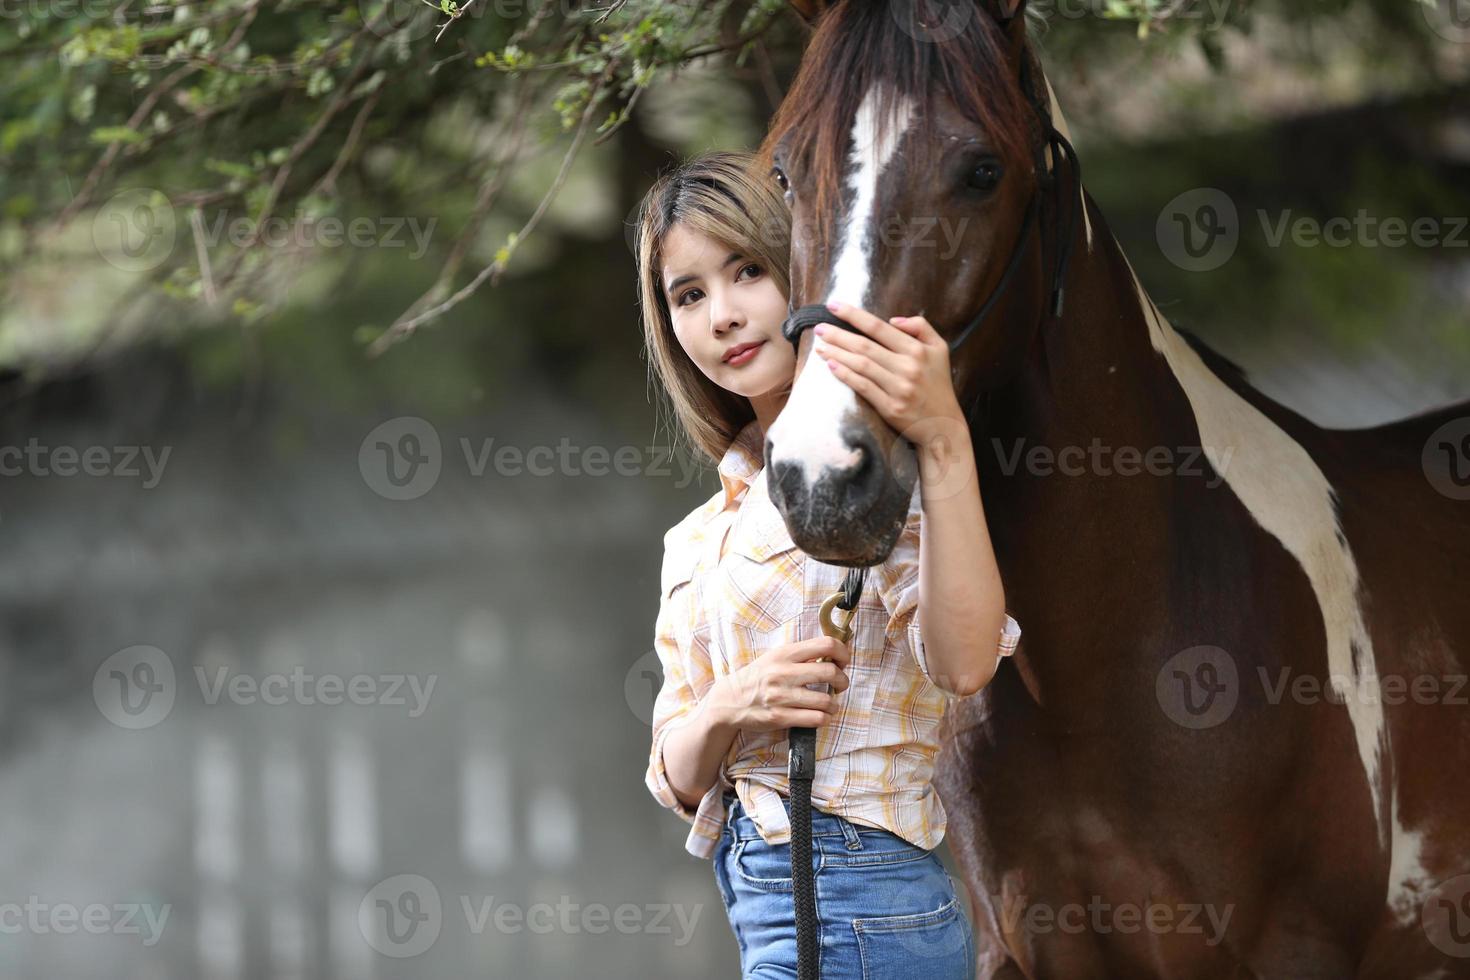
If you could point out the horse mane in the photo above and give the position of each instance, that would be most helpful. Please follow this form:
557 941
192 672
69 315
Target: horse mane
856 46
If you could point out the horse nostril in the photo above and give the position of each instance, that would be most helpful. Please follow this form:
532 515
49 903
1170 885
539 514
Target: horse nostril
863 478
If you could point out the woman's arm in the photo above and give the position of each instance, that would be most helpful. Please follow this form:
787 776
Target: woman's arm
688 744
692 752
768 694
961 598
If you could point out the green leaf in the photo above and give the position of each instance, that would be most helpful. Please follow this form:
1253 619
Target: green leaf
83 103
116 134
320 83
227 168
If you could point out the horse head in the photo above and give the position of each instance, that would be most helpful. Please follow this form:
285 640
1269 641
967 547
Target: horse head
911 149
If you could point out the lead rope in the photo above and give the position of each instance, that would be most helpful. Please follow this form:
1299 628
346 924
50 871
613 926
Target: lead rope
801 768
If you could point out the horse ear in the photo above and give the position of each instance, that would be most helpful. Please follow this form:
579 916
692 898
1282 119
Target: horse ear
1011 16
809 10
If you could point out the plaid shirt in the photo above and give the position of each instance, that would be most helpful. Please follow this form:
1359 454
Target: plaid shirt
733 586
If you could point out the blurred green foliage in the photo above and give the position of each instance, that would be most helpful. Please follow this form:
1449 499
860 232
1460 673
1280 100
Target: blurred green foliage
521 133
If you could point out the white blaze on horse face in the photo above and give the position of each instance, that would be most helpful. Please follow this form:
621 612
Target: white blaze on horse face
1287 493
808 432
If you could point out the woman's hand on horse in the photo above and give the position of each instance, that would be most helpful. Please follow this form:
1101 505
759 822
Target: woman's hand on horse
899 366
770 692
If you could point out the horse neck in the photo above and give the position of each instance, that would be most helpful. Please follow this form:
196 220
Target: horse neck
1091 378
1092 384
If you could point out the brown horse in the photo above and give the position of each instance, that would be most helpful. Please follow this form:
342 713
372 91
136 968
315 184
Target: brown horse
1234 741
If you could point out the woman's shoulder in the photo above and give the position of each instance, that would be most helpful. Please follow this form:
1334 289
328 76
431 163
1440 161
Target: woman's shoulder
681 542
694 522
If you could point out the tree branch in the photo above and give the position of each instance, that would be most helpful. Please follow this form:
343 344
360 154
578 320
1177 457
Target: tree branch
402 328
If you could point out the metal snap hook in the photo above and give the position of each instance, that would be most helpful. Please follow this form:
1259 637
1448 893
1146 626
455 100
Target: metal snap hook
841 632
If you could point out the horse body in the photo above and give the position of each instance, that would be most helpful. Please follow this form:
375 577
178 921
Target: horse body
1293 835
1413 544
1209 757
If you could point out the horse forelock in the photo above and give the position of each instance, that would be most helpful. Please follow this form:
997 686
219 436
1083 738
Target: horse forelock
859 53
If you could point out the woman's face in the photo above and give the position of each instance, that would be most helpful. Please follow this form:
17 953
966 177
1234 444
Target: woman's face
720 302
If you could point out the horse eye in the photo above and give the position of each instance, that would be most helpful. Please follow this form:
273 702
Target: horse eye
780 176
984 177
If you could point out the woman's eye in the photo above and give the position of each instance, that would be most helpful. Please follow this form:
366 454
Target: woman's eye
752 265
984 176
685 295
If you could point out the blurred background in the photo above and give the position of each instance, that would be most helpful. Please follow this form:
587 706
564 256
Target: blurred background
334 482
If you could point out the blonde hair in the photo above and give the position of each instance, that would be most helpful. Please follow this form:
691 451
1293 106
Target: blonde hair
720 195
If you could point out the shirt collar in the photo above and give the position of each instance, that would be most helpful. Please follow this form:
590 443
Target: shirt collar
742 461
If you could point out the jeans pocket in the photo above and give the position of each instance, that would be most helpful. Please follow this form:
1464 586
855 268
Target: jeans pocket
934 944
722 879
727 893
763 866
767 867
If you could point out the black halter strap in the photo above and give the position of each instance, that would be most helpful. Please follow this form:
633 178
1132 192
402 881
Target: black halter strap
806 317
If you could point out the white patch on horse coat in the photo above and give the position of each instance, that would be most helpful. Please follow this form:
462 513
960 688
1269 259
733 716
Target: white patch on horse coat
1286 492
1409 882
1304 520
808 430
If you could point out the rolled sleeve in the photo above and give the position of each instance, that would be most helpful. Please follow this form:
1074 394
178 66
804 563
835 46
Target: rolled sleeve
1010 636
687 675
657 778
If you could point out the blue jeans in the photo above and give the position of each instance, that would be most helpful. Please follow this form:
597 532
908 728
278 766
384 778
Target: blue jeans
886 908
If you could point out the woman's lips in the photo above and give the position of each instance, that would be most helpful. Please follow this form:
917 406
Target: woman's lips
745 355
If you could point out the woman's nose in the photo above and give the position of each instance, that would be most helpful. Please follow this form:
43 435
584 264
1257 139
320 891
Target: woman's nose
724 315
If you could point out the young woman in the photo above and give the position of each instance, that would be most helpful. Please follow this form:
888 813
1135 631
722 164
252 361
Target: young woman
737 634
